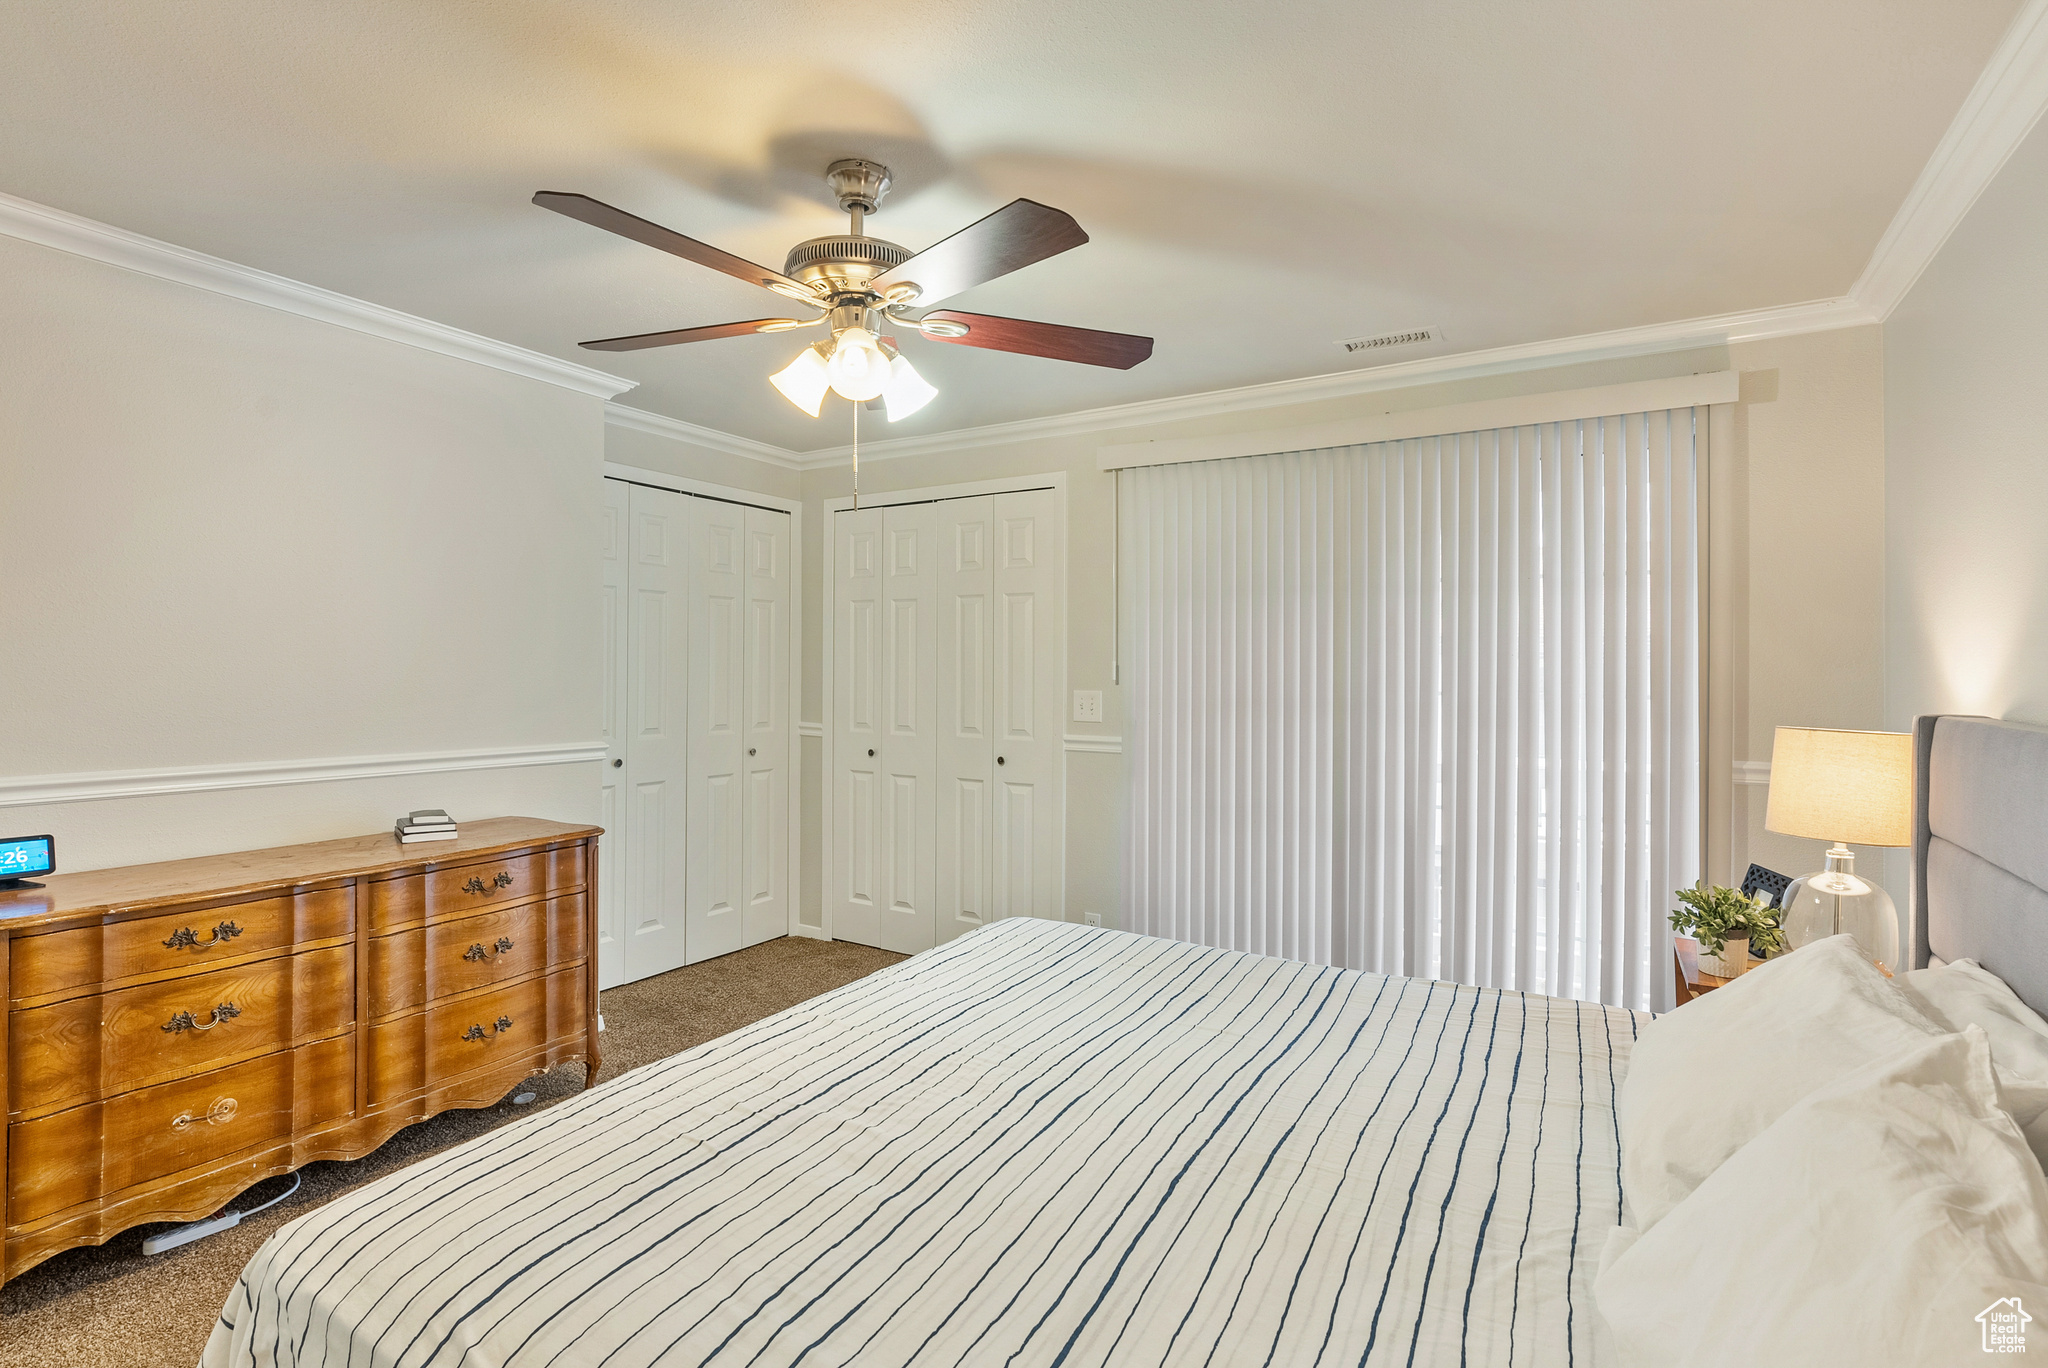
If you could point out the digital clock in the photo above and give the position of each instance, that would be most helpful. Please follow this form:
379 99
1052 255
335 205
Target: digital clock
21 856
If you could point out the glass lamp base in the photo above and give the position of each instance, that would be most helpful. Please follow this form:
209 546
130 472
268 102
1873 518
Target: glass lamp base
1836 902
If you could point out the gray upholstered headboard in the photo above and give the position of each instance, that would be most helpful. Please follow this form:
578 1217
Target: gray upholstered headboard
1980 849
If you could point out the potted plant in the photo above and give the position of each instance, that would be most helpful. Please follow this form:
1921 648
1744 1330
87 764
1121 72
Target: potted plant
1728 924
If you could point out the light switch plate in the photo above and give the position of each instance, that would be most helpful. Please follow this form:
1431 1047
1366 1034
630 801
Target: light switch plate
1087 705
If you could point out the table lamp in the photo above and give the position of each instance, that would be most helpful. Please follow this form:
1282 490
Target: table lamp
1842 786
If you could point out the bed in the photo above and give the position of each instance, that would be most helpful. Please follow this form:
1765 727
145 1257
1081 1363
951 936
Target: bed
1039 1144
1980 849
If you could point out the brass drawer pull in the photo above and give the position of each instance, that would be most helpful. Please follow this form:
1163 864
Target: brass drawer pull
184 1021
477 954
476 882
185 937
501 1025
220 1113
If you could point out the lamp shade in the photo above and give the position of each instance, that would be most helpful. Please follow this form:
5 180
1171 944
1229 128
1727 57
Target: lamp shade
1850 786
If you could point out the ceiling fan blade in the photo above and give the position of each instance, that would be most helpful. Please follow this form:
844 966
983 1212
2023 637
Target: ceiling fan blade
598 214
1085 345
642 341
1014 236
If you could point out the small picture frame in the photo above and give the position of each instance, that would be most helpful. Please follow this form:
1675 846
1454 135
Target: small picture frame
1768 883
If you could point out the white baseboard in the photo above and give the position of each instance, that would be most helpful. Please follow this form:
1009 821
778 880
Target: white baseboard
30 790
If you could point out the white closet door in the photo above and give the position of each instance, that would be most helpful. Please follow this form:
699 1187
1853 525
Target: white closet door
611 847
908 769
1029 681
852 874
965 740
717 704
657 692
766 821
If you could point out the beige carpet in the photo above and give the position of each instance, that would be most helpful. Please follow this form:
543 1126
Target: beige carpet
110 1307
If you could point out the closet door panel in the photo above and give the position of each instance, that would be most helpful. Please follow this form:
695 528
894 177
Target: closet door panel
964 741
656 778
1028 675
852 874
613 783
717 700
909 728
767 732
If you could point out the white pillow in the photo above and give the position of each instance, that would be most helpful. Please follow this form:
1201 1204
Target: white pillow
1964 993
1705 1079
1870 1224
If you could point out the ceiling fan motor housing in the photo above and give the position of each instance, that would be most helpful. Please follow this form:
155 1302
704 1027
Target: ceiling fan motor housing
843 264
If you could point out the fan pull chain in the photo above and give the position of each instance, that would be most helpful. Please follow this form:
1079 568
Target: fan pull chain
856 458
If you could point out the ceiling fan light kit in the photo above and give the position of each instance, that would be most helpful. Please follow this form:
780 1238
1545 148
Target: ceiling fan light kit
860 284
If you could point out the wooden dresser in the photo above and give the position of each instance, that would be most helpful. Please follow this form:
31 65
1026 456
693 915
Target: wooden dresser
175 1032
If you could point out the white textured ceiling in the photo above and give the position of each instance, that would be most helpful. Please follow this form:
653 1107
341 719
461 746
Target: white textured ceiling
1260 180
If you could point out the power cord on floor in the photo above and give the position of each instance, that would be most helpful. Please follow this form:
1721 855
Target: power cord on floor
212 1225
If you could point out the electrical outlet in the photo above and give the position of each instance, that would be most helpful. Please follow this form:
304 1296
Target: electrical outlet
1092 918
1087 705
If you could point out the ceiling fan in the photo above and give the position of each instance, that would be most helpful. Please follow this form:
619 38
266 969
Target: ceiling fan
859 284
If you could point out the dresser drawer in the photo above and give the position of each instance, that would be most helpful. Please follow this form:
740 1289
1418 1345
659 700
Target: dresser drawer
86 956
463 890
96 1046
99 1149
411 968
478 1031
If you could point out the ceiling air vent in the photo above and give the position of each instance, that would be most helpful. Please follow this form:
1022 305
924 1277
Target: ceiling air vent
1388 341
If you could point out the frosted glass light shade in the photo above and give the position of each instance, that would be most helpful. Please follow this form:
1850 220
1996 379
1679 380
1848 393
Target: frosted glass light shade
804 381
858 369
908 391
1853 787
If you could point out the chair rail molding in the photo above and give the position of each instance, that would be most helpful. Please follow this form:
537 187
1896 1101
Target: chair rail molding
102 242
1093 745
34 789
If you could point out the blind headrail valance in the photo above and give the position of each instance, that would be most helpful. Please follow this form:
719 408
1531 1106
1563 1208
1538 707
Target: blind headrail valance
1521 410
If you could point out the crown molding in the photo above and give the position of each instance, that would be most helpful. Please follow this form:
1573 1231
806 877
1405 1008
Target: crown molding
35 789
102 242
2000 110
676 430
1749 325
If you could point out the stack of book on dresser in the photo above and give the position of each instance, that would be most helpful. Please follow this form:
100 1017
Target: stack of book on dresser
426 824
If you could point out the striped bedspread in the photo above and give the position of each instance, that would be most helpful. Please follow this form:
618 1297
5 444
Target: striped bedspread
1039 1144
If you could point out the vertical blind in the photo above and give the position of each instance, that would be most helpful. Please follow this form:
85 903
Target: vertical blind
1427 707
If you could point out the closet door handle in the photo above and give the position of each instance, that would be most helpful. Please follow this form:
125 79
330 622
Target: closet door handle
999 759
750 750
871 752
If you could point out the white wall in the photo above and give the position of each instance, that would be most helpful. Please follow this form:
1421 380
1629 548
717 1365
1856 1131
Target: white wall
1805 437
1966 478
1966 444
231 534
